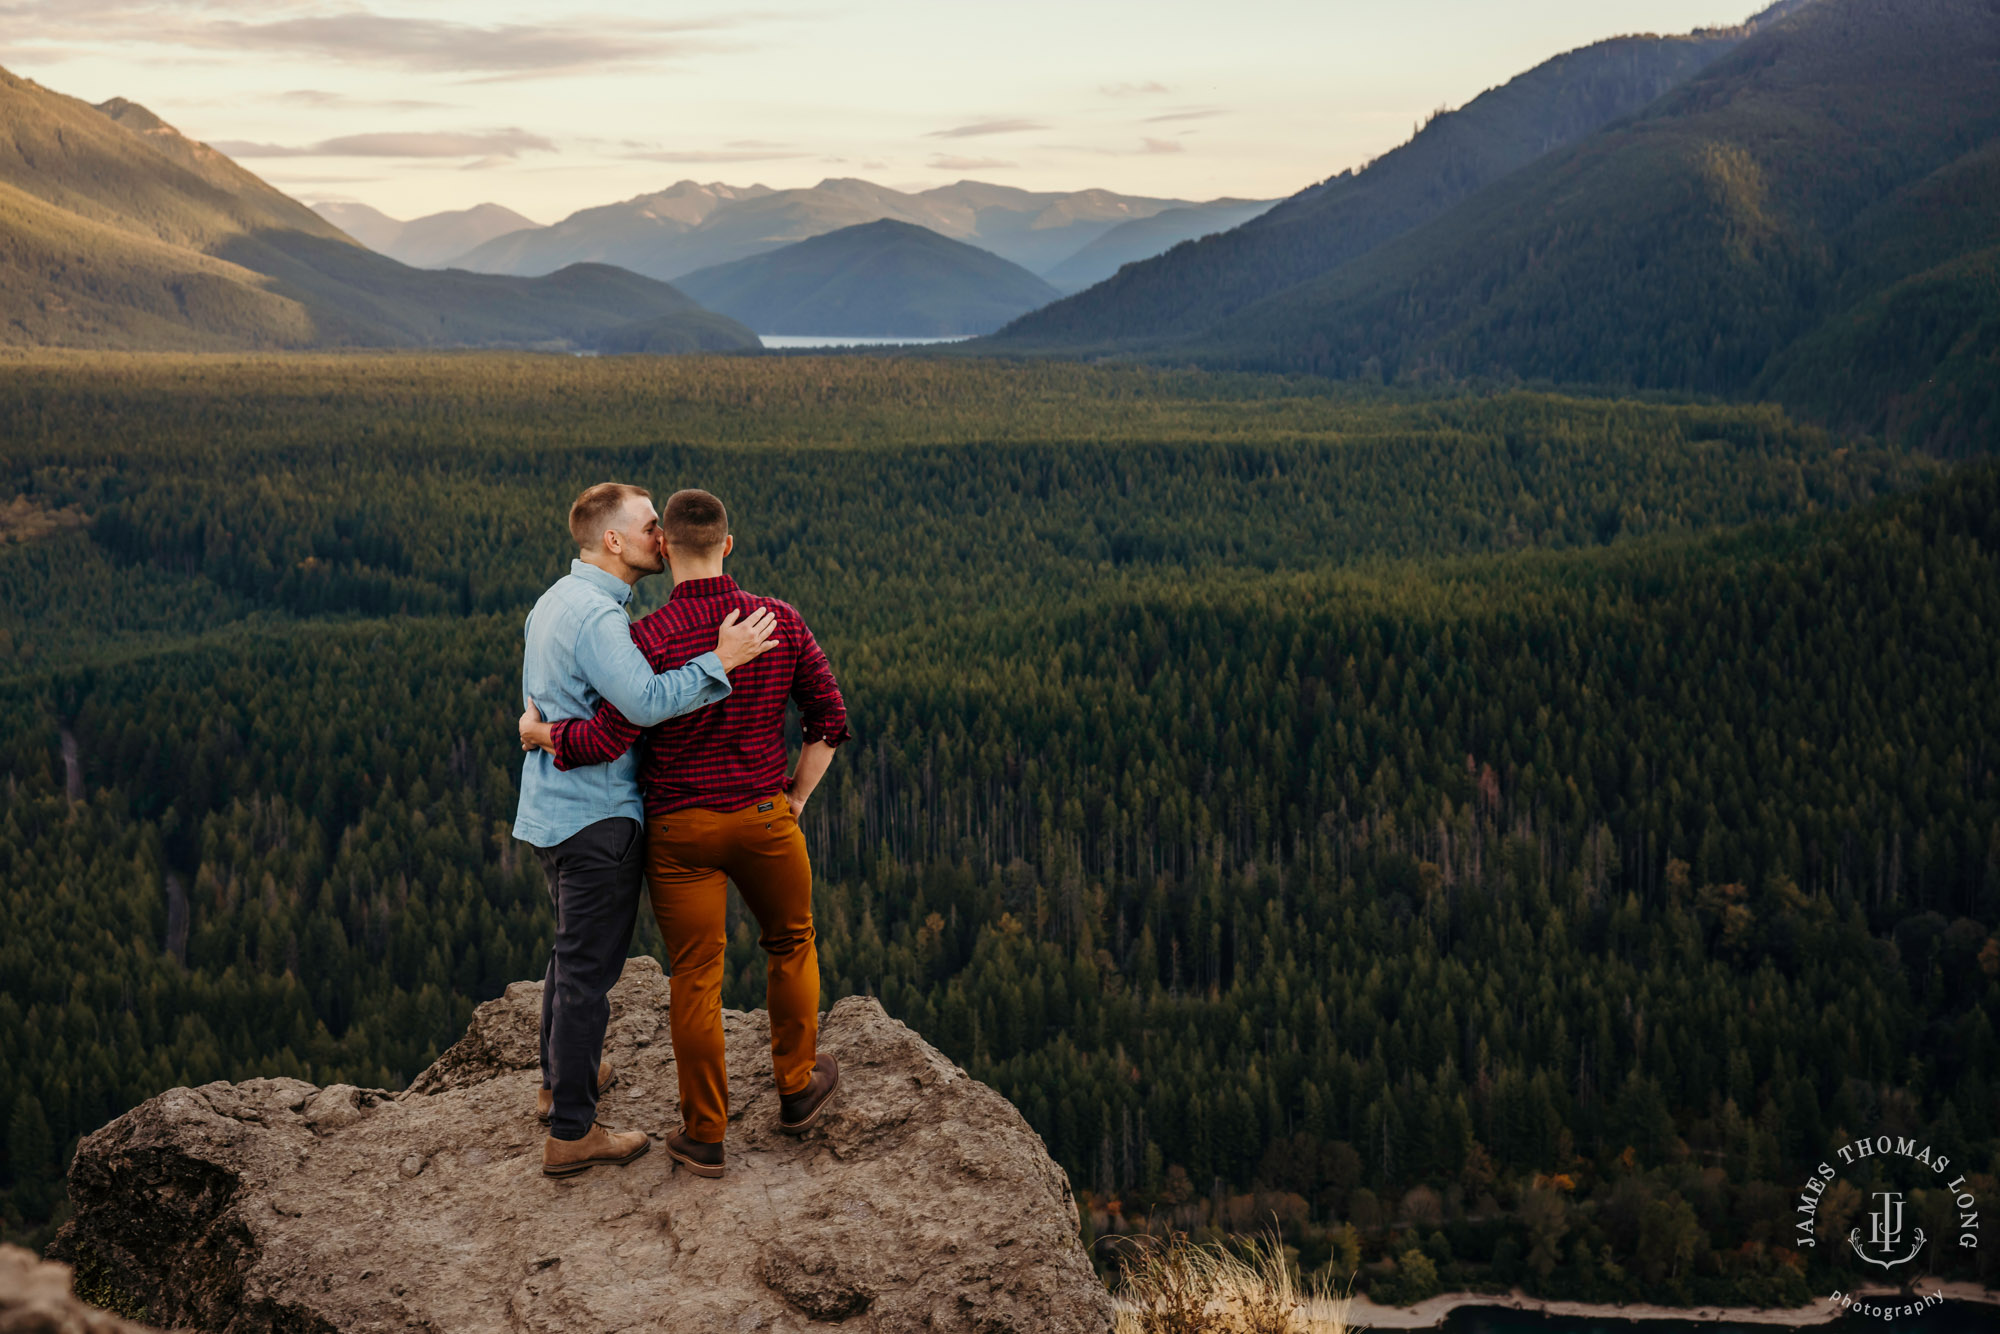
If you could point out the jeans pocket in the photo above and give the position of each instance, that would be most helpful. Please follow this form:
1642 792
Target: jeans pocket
632 841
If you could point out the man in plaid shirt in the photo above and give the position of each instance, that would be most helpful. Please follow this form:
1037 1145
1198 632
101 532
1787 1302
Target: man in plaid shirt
720 807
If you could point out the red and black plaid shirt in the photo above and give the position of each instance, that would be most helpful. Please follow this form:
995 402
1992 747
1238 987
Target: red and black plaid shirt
732 753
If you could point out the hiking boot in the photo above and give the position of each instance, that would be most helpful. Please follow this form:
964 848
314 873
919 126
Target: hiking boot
797 1111
546 1099
601 1147
704 1160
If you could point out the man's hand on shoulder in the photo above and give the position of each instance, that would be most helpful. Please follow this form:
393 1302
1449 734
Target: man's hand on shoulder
536 734
740 641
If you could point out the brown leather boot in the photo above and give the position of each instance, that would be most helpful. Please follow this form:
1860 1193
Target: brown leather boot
704 1160
546 1099
797 1111
601 1147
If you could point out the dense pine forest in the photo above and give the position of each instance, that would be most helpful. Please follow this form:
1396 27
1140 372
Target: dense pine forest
1497 839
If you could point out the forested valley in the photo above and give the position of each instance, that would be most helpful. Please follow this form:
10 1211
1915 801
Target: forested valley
1493 839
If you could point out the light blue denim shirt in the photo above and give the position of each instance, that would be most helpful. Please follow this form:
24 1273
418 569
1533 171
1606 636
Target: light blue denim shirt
579 651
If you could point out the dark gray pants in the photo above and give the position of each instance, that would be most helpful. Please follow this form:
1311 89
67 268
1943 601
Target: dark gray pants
594 879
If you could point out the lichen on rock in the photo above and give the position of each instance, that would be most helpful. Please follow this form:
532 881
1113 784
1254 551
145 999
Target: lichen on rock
921 1201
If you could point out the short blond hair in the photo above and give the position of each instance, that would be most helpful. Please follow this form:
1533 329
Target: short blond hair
597 507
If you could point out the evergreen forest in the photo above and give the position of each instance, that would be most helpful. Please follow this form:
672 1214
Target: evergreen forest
1493 839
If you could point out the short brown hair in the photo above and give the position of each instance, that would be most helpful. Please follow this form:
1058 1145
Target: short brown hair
694 521
595 509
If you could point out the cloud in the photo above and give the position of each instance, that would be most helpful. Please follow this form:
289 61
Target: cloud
20 52
314 178
984 127
1146 148
500 144
1185 115
1147 89
354 36
948 162
700 156
316 97
441 46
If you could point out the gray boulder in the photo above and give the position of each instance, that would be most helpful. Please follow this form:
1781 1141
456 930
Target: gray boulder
921 1201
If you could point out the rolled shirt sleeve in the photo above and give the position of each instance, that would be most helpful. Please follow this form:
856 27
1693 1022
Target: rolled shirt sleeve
822 712
615 668
598 739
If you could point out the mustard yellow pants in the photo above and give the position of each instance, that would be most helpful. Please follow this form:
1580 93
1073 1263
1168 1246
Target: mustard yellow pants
691 855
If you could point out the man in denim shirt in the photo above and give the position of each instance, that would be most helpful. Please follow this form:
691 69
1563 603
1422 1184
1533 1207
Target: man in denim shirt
585 824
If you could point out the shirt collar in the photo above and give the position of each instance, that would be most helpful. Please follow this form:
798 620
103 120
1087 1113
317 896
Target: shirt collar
620 591
704 588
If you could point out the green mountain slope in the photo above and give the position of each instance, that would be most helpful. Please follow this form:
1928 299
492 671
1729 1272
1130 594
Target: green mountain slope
1915 349
880 278
67 280
1784 191
1192 286
116 231
1919 361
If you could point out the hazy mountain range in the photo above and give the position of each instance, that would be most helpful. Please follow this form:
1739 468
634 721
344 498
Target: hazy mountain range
1802 207
1809 210
1073 238
429 242
116 231
876 278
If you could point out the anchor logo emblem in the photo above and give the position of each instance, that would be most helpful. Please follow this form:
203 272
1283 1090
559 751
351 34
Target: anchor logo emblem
1885 1233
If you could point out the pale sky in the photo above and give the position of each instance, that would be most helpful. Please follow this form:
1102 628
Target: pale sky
418 107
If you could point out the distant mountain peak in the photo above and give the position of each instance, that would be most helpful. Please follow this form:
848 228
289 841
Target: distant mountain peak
190 152
885 225
490 209
883 278
134 117
429 241
718 189
1783 9
691 225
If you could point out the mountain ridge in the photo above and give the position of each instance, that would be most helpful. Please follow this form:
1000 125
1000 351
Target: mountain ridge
429 241
691 225
1840 152
1142 238
117 231
1193 285
881 278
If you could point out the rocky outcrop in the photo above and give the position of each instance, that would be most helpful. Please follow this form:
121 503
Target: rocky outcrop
35 1298
921 1201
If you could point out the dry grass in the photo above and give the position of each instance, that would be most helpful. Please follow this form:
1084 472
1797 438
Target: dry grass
1177 1286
